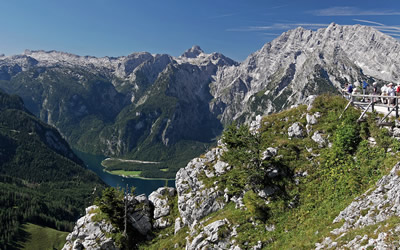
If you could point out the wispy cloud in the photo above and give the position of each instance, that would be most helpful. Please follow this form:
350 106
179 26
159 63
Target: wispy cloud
367 21
352 11
390 30
393 34
280 26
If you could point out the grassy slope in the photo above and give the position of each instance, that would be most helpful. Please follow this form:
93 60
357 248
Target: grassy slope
41 238
335 176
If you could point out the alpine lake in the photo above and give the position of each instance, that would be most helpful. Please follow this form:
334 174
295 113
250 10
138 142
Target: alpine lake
142 186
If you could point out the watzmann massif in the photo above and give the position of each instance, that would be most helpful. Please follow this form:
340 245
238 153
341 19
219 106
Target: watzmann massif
170 109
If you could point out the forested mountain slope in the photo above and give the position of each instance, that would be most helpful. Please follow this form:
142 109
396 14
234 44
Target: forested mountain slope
41 180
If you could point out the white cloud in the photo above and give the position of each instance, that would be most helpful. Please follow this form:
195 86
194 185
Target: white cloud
367 21
390 30
392 34
352 11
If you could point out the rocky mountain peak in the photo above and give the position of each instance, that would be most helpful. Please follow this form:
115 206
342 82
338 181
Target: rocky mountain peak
193 52
295 64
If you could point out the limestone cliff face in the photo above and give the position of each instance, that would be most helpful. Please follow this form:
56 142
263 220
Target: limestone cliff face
301 62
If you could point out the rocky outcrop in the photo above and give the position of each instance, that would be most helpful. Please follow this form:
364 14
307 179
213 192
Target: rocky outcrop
296 131
373 207
317 137
161 199
216 235
195 199
90 234
139 213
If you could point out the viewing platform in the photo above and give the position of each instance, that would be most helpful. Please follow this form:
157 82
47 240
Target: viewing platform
374 103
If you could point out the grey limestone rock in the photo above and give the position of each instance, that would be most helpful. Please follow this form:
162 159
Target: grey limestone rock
90 234
310 101
269 153
296 131
221 167
311 119
317 137
178 225
256 124
396 132
210 236
160 199
194 199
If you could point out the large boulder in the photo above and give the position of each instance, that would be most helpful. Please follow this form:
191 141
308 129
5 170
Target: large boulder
89 233
139 213
161 199
296 131
216 235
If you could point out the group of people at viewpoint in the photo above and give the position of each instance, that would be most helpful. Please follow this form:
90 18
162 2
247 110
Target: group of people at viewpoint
386 90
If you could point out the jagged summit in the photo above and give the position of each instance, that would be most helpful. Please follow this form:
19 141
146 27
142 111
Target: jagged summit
301 62
193 52
195 55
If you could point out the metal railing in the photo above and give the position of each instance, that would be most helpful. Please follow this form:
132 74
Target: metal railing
371 101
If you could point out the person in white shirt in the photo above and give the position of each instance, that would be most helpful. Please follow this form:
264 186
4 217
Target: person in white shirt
391 92
384 91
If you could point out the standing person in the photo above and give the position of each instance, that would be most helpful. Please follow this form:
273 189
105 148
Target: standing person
364 89
391 92
375 91
350 88
384 90
344 90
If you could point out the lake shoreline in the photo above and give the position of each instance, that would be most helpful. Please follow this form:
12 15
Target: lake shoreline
132 176
137 177
142 185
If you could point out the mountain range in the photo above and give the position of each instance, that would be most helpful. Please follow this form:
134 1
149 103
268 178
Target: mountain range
163 108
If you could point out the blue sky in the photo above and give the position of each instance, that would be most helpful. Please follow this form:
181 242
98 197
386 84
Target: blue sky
235 28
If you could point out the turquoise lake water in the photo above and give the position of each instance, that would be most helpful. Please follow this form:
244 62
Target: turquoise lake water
146 186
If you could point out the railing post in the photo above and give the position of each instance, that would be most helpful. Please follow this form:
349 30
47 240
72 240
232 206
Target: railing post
397 108
373 104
